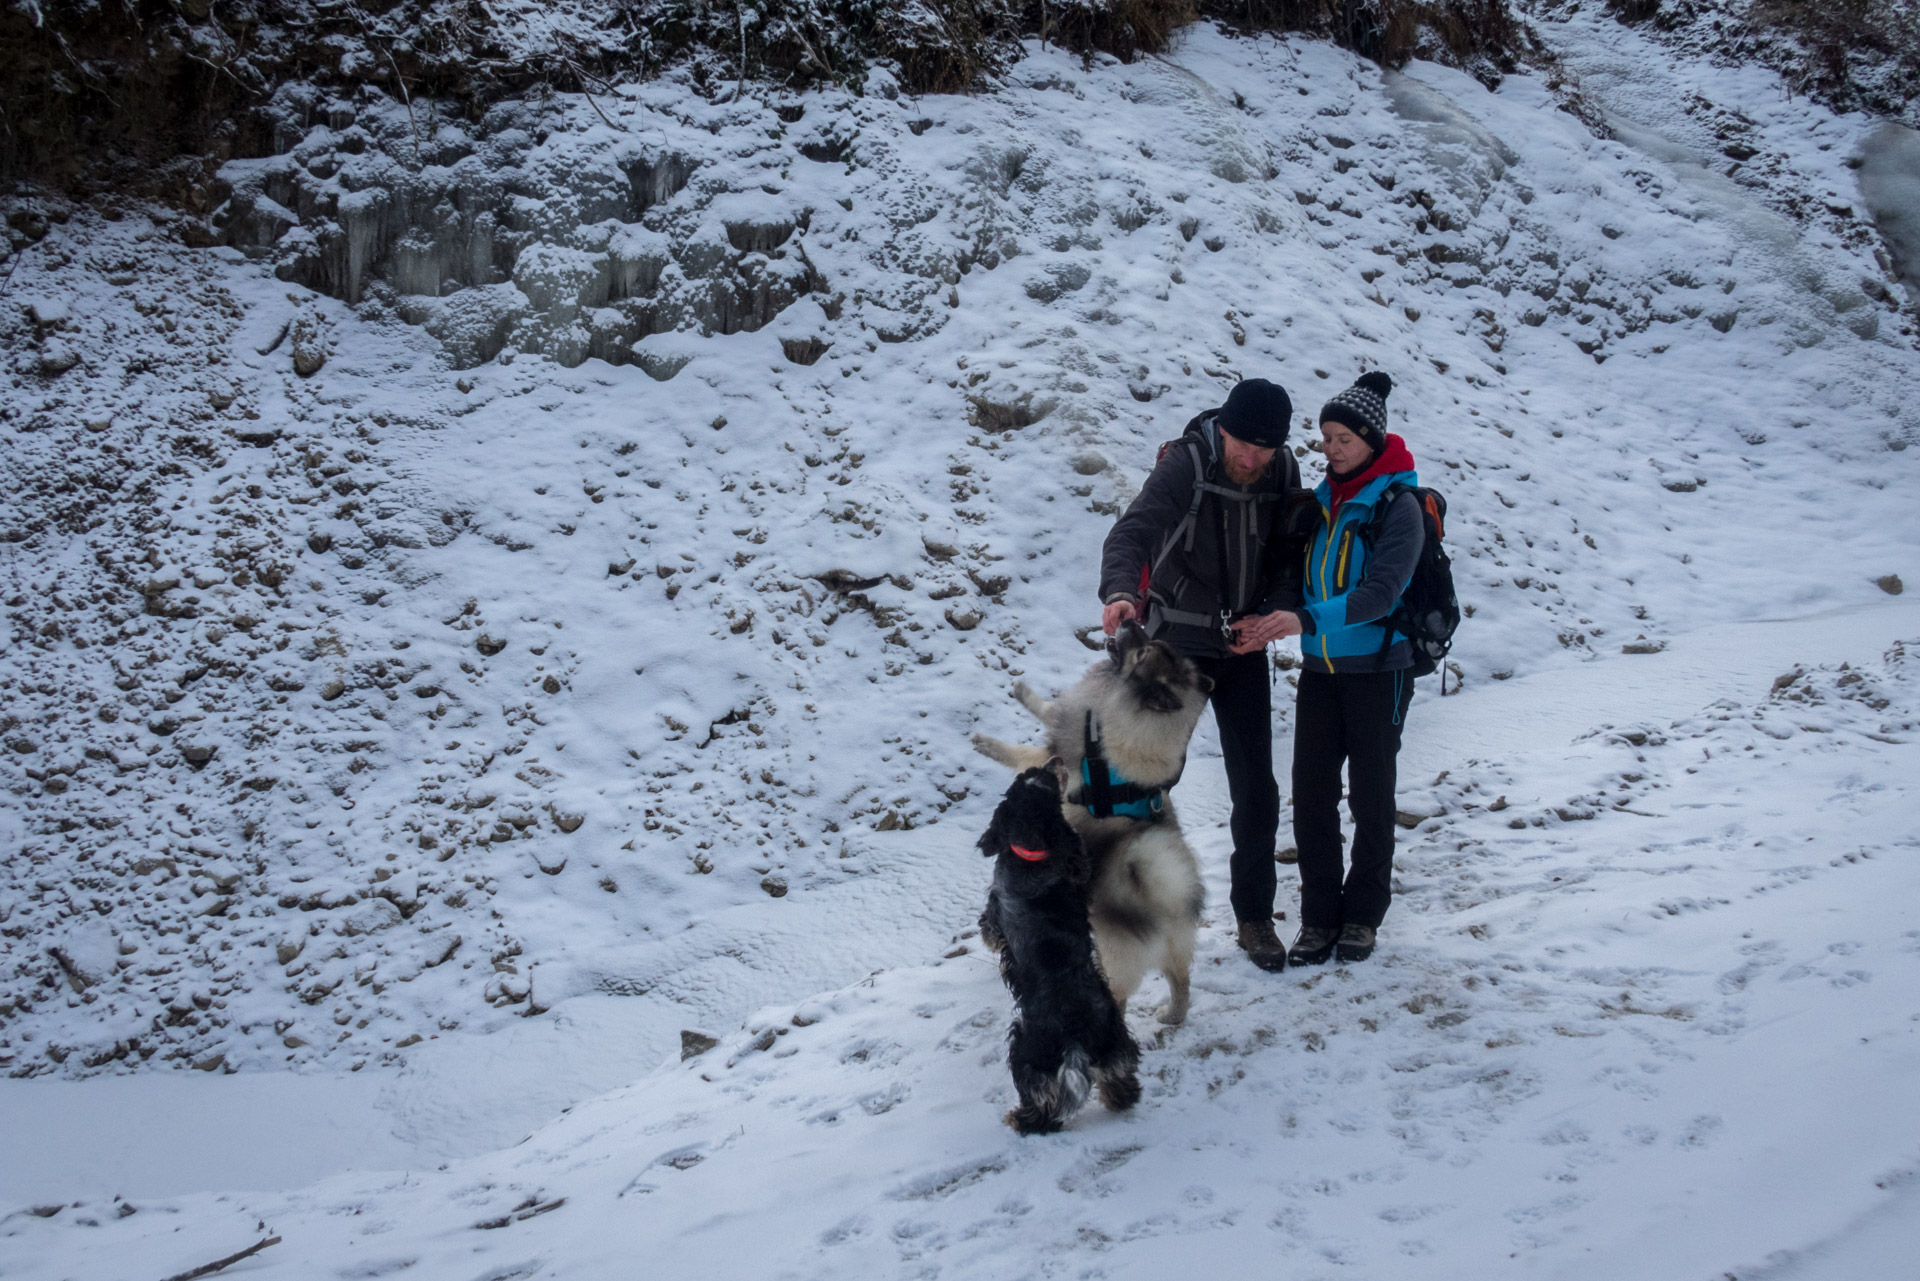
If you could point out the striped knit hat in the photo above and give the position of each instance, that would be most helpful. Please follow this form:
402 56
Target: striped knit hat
1363 408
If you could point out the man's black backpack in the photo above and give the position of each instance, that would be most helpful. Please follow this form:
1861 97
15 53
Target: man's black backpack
1428 611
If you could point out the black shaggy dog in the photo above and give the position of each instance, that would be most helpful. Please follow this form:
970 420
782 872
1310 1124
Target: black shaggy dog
1068 1034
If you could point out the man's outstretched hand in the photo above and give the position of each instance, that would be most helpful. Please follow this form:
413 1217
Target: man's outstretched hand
1257 631
1117 613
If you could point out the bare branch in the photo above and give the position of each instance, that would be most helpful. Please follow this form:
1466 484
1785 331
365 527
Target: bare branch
208 1269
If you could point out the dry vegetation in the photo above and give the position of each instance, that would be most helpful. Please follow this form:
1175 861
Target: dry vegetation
150 96
1855 55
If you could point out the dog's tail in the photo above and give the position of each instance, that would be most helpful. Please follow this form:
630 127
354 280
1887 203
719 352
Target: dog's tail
1076 1081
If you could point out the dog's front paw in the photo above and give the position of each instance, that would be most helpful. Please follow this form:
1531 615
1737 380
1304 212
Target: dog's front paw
1027 1119
1120 1092
1173 1013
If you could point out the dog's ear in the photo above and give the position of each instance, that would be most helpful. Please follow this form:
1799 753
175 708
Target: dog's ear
1203 683
993 839
1058 768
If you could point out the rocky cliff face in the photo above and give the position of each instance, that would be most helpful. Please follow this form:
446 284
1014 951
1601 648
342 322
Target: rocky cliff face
501 235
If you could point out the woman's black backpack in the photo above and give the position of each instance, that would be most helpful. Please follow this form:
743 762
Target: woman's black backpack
1428 611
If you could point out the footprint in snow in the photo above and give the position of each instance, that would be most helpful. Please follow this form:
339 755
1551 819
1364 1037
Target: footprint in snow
1409 1213
940 1184
1700 1131
848 1229
1089 1175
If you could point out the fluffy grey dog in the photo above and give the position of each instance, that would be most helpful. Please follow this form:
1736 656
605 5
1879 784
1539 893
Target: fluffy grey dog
1136 711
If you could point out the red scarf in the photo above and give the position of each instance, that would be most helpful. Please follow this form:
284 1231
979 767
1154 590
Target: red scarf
1394 458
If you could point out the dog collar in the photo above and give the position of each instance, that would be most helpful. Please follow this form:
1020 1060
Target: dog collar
1032 856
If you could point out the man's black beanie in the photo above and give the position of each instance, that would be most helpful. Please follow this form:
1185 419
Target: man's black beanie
1257 412
1362 408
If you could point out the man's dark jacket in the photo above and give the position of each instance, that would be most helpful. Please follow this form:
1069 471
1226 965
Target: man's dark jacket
1242 557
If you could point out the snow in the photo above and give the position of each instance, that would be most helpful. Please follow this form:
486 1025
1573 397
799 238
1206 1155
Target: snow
621 700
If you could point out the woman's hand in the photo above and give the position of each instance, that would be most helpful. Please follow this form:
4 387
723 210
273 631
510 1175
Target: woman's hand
1257 631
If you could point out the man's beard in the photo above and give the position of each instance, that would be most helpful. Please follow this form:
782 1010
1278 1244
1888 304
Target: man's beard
1245 476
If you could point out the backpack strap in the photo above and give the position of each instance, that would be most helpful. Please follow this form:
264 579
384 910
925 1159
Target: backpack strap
1184 530
1099 782
1377 521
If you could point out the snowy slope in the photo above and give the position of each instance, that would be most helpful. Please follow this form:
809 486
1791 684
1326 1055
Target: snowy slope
544 690
1646 1009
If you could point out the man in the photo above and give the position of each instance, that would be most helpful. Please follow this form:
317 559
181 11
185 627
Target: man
1204 559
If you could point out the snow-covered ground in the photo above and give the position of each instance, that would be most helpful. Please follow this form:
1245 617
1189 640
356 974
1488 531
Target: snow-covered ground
695 658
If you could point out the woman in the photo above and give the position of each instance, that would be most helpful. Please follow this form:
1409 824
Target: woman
1356 681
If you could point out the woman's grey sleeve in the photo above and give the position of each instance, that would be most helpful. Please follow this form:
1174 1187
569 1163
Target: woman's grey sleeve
1390 562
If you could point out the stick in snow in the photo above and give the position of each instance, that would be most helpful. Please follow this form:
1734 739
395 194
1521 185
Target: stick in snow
208 1269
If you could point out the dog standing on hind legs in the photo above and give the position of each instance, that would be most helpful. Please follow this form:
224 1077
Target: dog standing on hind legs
1121 734
1068 1034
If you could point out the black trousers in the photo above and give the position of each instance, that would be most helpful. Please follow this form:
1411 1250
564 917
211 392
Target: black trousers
1243 711
1356 720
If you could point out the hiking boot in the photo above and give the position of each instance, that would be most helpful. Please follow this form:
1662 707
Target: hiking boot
1356 942
1262 946
1312 947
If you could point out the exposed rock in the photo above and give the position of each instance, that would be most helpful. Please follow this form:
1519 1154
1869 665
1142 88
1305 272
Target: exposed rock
307 343
693 1044
48 313
369 916
57 358
1058 280
804 351
660 366
1008 415
841 580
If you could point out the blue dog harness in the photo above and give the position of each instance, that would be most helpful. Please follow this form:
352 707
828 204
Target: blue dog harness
1108 795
